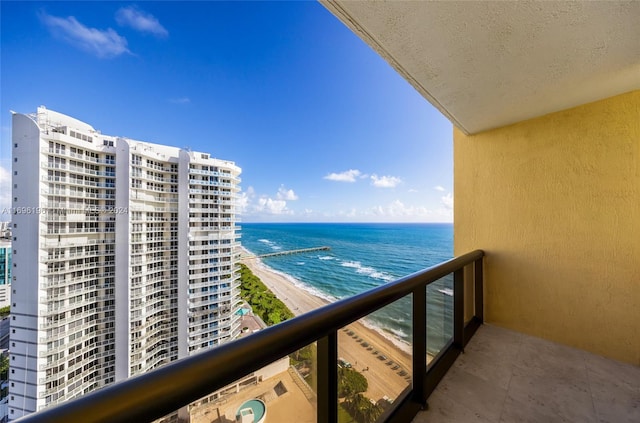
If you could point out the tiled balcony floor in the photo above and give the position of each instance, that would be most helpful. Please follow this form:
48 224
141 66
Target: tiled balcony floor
505 376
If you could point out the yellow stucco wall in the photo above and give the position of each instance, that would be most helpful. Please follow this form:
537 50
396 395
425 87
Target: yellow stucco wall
555 203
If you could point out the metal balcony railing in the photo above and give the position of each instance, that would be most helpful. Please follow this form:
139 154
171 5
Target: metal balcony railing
160 392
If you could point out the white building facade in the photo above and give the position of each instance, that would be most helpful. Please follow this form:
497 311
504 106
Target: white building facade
125 258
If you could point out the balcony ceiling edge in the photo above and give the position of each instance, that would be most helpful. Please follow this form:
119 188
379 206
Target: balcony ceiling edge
489 64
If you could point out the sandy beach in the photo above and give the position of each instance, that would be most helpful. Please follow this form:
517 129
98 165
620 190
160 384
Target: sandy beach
386 367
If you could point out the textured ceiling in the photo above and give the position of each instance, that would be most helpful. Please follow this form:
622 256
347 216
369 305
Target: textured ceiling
488 64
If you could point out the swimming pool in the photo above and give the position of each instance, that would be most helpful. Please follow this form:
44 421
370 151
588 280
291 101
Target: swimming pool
252 411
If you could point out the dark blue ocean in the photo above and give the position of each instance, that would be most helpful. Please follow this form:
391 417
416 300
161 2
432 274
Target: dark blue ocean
363 256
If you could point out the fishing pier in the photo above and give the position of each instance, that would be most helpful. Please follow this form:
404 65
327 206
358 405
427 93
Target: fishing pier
288 252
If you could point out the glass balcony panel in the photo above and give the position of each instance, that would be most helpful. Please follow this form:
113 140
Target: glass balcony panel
375 363
282 391
439 315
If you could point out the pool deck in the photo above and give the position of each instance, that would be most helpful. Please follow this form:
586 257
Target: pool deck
290 406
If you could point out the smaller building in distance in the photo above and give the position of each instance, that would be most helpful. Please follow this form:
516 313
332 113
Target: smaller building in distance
5 273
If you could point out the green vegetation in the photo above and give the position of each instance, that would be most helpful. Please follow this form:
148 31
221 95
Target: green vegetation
344 416
4 367
351 385
272 311
263 302
304 360
350 382
355 408
362 410
4 374
304 355
4 311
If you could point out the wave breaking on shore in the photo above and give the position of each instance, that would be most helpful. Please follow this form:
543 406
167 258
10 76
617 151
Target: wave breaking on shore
392 335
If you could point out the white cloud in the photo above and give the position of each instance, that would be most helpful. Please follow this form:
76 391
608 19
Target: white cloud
397 211
271 206
102 43
447 201
286 194
385 181
439 188
245 199
180 100
251 205
141 21
346 176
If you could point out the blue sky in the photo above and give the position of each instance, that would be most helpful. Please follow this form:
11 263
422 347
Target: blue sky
323 128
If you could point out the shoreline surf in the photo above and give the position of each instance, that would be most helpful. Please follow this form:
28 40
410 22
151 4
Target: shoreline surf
256 263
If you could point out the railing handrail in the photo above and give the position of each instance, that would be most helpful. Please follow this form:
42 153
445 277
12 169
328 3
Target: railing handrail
160 392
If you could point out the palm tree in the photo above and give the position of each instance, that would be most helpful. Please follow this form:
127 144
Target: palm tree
362 409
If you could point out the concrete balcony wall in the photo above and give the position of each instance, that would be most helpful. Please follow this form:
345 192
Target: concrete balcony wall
555 203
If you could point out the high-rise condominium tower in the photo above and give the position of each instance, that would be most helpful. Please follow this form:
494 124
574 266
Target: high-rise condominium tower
124 258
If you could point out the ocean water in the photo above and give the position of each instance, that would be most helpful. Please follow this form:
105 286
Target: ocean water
363 256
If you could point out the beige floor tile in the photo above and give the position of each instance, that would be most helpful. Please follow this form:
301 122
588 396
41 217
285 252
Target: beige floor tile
505 376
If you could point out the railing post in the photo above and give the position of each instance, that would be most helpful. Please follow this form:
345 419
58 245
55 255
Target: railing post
420 344
458 308
327 378
478 290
